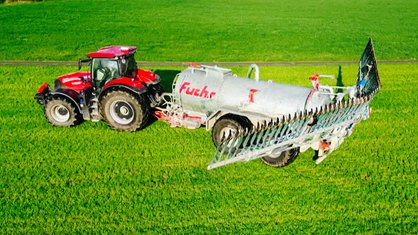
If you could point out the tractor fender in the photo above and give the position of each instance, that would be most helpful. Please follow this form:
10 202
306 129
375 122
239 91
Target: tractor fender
132 84
68 94
253 118
122 87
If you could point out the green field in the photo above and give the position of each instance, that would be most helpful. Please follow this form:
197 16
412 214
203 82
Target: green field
216 30
91 179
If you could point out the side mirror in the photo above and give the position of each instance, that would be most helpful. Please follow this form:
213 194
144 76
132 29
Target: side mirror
80 62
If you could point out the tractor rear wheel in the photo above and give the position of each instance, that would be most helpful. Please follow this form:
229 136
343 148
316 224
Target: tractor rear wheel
281 159
124 111
60 112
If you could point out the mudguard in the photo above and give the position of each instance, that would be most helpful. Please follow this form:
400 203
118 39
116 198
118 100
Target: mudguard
65 93
113 85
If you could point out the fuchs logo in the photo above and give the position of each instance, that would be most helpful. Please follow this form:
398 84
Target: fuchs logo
198 92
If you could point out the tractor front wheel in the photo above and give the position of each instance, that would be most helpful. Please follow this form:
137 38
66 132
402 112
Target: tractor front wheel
60 112
124 111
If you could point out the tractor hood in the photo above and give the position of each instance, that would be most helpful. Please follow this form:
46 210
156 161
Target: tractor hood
147 76
76 81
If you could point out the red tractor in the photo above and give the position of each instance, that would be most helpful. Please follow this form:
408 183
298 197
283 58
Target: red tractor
114 90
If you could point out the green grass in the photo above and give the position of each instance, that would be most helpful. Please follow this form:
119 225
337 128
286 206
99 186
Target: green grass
216 30
92 179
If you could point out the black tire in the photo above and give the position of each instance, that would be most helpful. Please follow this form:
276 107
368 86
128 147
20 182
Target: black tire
61 112
124 111
281 159
229 124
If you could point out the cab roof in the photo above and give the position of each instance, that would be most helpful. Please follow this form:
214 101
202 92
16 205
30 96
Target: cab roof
112 51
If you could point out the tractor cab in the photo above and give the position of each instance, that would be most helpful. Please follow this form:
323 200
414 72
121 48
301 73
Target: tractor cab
111 63
103 71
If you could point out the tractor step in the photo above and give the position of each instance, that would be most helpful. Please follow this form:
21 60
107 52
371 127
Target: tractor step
95 116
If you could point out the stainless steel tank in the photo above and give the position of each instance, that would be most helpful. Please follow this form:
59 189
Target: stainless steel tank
206 90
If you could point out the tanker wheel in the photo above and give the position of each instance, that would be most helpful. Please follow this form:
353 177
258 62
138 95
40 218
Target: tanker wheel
281 159
123 111
60 112
228 126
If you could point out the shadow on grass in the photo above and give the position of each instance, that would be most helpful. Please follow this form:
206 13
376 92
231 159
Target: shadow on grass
167 78
340 79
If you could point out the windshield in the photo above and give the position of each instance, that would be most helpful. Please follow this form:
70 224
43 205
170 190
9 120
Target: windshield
104 70
110 64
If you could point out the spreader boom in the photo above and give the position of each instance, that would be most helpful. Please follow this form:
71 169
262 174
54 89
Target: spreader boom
330 124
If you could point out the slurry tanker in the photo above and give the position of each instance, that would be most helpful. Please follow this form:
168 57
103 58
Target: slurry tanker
250 118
